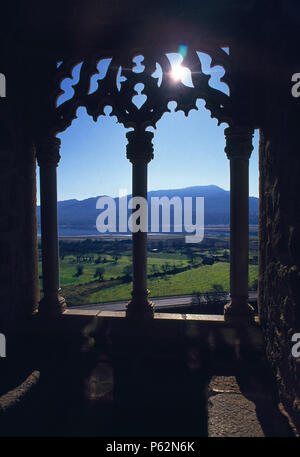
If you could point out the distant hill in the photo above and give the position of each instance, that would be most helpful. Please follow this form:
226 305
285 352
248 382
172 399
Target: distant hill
80 215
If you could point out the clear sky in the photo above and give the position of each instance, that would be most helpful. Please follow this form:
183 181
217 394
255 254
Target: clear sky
188 151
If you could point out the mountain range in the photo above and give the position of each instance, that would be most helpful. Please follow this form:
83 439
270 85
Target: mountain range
80 215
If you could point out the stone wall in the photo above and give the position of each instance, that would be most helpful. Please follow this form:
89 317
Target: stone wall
19 283
278 116
279 275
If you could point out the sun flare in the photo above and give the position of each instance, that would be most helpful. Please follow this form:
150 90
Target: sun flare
178 72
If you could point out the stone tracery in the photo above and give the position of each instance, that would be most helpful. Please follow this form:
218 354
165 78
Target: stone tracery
133 74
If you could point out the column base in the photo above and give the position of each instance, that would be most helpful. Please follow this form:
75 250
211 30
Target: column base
52 304
139 306
239 313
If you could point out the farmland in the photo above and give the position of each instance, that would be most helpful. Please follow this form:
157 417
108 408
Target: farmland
100 270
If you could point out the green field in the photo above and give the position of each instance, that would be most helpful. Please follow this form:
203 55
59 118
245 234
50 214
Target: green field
172 270
112 270
199 279
86 289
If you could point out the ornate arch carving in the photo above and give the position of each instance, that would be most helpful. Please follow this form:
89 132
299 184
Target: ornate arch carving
158 95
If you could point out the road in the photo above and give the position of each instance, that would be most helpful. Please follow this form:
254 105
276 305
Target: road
160 302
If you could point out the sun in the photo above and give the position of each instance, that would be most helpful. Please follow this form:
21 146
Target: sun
178 72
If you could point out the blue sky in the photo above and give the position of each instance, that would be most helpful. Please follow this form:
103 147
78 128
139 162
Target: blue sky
188 151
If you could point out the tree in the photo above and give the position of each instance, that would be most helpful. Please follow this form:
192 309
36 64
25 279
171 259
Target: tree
214 303
209 302
79 270
154 268
191 257
217 288
196 299
189 253
116 258
165 267
99 273
226 254
128 272
208 260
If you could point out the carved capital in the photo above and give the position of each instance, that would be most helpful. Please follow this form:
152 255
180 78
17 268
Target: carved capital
139 146
238 142
47 151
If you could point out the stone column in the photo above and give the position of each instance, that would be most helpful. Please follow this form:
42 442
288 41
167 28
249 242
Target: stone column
238 149
139 152
47 149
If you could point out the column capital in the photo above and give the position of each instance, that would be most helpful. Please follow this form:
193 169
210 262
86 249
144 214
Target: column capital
47 150
239 142
139 146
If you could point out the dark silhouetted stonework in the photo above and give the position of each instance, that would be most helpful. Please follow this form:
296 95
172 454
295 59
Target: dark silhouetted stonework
279 264
263 38
19 284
